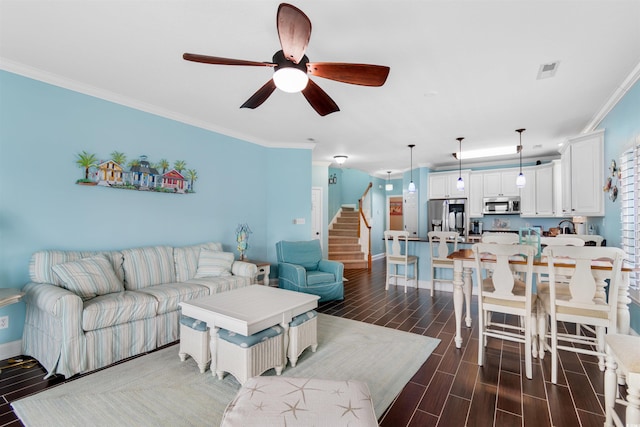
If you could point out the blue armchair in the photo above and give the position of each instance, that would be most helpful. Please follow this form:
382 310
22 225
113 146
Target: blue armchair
302 269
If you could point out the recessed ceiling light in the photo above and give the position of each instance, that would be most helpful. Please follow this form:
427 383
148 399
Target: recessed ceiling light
548 70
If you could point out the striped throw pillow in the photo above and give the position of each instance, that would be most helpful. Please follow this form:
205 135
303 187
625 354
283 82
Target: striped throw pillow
214 264
89 277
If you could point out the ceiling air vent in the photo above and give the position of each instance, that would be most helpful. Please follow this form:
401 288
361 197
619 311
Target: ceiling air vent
548 70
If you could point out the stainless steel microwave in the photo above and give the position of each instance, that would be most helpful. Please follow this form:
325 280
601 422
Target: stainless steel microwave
501 205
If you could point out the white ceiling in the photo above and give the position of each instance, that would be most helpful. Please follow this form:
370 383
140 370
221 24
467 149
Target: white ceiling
458 68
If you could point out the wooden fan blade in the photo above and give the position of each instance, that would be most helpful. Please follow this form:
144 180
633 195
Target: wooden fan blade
223 61
357 74
294 31
260 96
319 100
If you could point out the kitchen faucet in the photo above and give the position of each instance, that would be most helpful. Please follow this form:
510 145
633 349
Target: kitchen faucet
573 227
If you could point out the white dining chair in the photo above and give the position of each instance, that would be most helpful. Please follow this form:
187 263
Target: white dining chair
590 239
623 358
585 302
504 238
394 240
499 291
561 241
439 242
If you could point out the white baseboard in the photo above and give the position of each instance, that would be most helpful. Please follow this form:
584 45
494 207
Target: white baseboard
10 349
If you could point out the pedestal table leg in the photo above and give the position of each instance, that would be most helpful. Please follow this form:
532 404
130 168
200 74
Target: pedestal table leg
213 346
458 297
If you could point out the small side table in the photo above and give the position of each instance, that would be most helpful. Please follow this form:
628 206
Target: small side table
264 268
10 296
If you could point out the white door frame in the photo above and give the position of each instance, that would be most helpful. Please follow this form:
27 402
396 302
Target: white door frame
317 215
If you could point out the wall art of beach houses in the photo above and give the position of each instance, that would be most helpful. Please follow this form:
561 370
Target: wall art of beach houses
136 174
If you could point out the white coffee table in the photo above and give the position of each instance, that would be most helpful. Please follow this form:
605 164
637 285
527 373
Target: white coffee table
248 310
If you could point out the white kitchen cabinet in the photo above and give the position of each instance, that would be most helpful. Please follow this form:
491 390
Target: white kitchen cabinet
476 194
528 193
583 175
442 185
544 190
557 187
501 182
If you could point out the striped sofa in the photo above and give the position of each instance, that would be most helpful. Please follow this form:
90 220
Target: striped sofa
87 309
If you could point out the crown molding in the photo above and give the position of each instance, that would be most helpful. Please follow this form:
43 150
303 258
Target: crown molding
613 100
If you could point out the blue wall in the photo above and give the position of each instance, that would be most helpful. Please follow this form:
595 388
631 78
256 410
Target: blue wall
622 131
43 127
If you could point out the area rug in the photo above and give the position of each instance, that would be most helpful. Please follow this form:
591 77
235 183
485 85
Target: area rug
159 390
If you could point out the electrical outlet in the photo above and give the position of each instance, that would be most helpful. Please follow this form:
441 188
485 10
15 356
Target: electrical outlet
4 322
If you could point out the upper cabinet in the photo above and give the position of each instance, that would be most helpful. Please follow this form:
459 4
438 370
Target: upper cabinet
442 185
582 175
500 183
476 205
537 196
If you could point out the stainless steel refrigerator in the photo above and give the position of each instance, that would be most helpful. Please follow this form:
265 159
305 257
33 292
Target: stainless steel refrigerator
448 215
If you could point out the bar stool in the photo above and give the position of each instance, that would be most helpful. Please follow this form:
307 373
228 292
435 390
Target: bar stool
623 357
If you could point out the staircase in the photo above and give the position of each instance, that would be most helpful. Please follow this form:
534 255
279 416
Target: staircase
343 241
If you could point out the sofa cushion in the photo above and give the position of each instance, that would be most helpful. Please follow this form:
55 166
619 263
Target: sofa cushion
42 261
116 309
148 266
214 264
319 277
89 277
186 259
169 295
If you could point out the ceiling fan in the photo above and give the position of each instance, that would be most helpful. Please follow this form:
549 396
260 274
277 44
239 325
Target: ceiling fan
292 67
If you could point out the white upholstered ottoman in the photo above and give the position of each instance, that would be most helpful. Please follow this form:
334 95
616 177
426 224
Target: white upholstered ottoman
303 333
194 342
245 357
285 401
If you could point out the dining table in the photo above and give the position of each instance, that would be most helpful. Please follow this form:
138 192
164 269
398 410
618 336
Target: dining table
464 263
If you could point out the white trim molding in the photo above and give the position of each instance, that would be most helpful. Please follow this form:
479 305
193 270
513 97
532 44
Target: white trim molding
615 97
10 349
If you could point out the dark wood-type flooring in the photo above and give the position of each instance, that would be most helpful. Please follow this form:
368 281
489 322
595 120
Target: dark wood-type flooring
450 389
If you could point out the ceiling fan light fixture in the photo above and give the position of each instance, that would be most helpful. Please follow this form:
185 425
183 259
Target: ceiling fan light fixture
290 79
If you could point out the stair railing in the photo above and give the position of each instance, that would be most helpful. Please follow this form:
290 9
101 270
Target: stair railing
364 227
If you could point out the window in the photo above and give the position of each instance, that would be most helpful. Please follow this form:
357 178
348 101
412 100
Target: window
630 214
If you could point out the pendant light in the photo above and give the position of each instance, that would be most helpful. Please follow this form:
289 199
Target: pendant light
412 186
460 183
520 180
389 186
